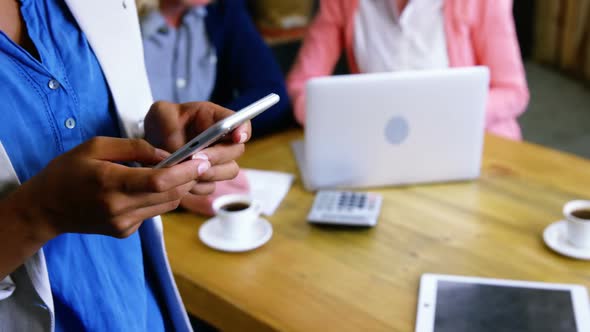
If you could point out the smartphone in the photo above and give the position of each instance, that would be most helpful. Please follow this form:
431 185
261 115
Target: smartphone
218 130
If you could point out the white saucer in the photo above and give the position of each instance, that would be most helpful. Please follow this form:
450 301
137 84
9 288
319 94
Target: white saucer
212 236
554 236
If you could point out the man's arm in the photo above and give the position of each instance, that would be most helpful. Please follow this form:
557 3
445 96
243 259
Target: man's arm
252 71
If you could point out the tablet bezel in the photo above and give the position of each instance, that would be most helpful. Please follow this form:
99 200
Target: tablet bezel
428 288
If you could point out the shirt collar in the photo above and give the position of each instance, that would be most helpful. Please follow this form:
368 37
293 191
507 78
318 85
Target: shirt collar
413 5
153 22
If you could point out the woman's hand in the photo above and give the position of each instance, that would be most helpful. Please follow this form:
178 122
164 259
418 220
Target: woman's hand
89 190
170 126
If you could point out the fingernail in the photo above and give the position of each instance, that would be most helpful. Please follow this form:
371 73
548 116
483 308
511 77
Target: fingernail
243 137
161 153
203 167
200 156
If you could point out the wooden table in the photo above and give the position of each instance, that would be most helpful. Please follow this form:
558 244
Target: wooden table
310 278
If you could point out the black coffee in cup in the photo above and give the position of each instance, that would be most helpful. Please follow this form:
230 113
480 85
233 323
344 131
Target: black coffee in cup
582 214
235 206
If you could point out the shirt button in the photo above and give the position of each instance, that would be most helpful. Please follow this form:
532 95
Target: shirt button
53 84
180 83
70 123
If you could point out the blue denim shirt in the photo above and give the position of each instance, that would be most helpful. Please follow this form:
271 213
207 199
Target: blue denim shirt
51 105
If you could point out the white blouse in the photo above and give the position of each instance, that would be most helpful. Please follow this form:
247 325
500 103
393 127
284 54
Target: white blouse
386 41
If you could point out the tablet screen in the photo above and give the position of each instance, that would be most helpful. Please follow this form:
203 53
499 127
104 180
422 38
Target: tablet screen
480 307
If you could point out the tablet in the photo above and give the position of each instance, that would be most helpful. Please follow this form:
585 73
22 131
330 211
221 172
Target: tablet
455 304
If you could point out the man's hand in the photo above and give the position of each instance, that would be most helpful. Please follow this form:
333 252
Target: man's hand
169 126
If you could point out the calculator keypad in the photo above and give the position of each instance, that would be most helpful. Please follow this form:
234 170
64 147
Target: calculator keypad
345 207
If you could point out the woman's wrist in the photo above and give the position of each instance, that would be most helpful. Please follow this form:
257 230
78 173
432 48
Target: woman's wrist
27 219
21 234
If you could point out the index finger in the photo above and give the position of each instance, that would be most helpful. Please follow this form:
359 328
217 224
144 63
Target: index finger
242 133
210 114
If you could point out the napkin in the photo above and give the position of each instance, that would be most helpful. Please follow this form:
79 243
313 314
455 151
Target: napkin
269 188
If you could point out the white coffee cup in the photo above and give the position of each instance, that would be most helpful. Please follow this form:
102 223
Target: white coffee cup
578 229
237 215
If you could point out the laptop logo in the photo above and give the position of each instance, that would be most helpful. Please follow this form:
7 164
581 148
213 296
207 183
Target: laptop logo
397 130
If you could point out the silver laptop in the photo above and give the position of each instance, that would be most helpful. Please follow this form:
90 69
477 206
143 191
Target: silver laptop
374 130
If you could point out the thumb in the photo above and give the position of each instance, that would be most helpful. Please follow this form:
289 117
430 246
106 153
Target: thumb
123 150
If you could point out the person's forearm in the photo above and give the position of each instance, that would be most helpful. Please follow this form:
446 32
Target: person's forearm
20 236
506 103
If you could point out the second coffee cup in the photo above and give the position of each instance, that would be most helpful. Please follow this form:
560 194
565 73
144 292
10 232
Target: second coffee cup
577 214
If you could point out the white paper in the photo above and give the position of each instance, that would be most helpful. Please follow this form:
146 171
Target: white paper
269 188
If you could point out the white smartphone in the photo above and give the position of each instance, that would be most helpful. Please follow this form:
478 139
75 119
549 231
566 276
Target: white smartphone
218 130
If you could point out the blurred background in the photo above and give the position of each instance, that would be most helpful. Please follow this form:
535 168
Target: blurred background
554 37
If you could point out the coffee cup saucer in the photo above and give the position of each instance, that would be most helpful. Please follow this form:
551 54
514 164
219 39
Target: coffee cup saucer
555 238
211 234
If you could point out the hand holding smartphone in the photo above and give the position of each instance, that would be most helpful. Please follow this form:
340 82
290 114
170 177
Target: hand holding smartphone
218 130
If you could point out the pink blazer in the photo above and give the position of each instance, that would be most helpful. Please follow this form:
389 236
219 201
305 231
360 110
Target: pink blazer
477 32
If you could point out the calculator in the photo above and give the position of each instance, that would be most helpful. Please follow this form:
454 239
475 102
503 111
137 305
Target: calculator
345 208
